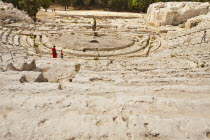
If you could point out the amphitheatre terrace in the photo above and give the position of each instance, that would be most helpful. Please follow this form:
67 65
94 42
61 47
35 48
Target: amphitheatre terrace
138 76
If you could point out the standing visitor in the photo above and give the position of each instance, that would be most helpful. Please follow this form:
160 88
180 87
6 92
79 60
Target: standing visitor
40 36
94 26
61 53
204 37
54 53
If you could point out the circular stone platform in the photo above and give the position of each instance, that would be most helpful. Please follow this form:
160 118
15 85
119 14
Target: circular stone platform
88 42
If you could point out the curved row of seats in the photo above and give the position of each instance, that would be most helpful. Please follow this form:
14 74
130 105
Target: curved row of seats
130 49
10 45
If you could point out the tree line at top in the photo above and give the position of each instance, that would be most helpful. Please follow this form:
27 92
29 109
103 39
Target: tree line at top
32 6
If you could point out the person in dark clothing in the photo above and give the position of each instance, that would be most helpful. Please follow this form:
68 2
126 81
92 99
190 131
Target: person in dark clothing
61 53
40 36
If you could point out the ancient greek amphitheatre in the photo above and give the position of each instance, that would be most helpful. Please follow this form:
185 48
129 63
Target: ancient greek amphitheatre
142 77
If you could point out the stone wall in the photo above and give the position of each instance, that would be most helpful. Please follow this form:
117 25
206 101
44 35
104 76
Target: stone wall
174 13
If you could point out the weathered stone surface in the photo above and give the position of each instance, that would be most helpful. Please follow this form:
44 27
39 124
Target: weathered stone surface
22 66
13 14
196 20
174 13
11 78
34 76
157 89
34 87
1 69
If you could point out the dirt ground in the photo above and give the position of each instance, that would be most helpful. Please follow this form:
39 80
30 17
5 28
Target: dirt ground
59 11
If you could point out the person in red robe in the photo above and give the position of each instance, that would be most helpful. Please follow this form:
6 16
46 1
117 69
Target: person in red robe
54 53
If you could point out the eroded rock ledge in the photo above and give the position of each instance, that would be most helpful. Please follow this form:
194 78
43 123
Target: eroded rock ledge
174 13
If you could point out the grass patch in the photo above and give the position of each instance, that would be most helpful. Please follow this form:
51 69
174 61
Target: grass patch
36 45
96 58
203 65
32 37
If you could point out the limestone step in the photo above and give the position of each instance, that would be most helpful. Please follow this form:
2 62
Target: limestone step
23 41
12 55
44 50
30 41
190 41
26 43
138 100
45 39
1 33
16 79
5 36
189 32
10 38
97 113
137 78
16 40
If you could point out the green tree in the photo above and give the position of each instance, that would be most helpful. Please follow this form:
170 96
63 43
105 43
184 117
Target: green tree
31 7
46 4
65 3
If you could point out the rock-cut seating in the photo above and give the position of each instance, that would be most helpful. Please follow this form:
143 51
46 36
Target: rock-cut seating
103 52
188 37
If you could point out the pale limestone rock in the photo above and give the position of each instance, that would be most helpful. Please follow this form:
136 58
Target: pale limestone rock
164 96
12 13
196 20
174 13
22 66
11 78
34 76
2 69
34 87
